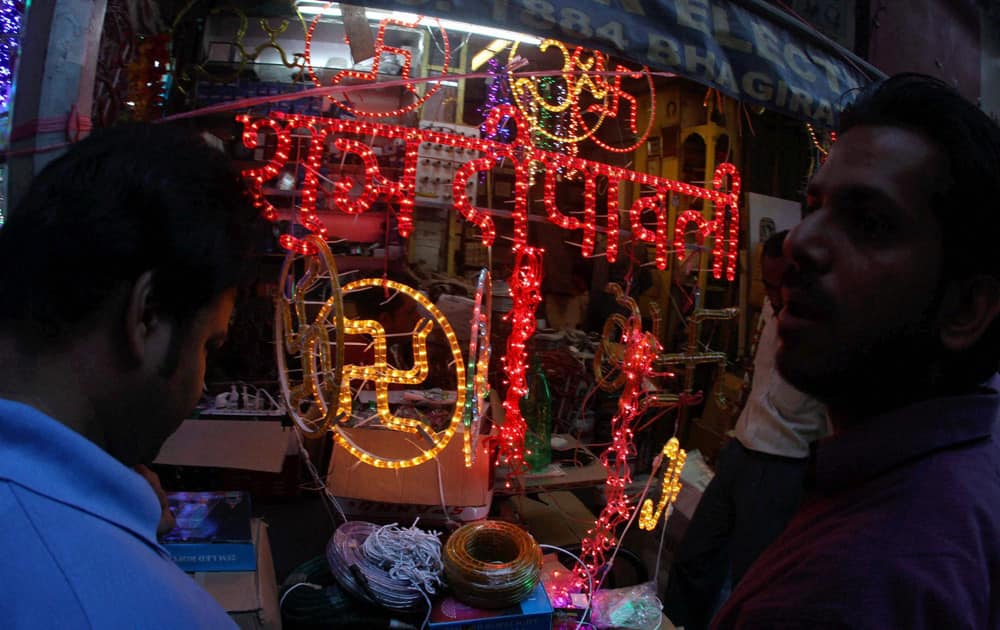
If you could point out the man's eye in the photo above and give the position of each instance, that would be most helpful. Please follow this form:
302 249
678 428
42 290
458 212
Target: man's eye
871 225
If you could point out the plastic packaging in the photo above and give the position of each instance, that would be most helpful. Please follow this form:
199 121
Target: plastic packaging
636 607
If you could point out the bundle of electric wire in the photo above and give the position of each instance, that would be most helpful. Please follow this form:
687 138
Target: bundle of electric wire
398 568
491 564
312 598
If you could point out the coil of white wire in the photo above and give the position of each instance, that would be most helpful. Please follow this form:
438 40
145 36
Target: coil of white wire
398 568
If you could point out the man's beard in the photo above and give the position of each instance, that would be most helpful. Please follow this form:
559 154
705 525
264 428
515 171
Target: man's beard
882 372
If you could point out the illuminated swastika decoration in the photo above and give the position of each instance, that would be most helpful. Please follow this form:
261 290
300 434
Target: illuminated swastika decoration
381 373
371 76
310 333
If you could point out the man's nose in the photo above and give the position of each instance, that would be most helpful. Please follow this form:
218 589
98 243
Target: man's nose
807 247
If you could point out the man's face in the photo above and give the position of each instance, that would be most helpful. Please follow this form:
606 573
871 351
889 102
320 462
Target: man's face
172 394
860 292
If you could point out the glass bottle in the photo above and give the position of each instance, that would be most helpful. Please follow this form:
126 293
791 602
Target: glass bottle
536 409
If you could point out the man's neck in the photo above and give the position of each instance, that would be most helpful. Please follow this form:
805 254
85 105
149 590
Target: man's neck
55 384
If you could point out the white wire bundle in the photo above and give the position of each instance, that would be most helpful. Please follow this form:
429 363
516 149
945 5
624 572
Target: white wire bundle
396 567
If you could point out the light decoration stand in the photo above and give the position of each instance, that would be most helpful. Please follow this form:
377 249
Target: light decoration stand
639 351
633 360
315 341
648 518
323 400
477 388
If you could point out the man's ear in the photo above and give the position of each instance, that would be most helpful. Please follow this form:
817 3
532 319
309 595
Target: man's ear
140 316
970 307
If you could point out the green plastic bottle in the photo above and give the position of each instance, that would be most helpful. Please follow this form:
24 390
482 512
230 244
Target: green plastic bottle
536 409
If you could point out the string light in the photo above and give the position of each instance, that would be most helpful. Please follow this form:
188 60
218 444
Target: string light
533 97
477 388
491 564
525 291
633 365
380 48
11 12
382 375
724 195
310 403
498 93
670 489
640 350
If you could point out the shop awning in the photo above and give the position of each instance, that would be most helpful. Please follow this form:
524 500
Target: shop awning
746 49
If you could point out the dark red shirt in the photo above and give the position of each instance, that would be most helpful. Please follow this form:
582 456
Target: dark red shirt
901 528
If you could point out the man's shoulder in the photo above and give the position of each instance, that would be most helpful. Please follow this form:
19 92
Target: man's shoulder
850 582
90 569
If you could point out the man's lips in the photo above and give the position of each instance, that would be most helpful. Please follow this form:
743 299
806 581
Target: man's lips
800 310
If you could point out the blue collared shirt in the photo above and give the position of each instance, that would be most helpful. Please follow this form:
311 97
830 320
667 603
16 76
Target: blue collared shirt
78 546
901 529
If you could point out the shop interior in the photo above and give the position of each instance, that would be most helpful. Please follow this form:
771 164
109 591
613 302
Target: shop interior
504 301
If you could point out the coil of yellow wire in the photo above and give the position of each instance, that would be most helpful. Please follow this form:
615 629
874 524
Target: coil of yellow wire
491 564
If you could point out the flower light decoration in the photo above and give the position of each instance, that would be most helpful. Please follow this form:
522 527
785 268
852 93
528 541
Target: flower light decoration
323 399
583 73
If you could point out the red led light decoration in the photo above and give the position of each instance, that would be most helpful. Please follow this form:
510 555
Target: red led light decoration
355 136
371 76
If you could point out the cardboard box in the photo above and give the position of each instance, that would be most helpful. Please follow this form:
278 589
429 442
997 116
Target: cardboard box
213 531
250 597
534 613
420 485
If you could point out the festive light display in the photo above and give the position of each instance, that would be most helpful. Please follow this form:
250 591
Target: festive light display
671 486
631 373
498 93
583 71
11 12
380 48
382 375
323 398
477 388
723 226
582 75
317 343
640 351
526 293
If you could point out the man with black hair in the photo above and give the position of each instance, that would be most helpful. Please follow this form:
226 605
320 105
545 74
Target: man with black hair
891 318
759 478
120 269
